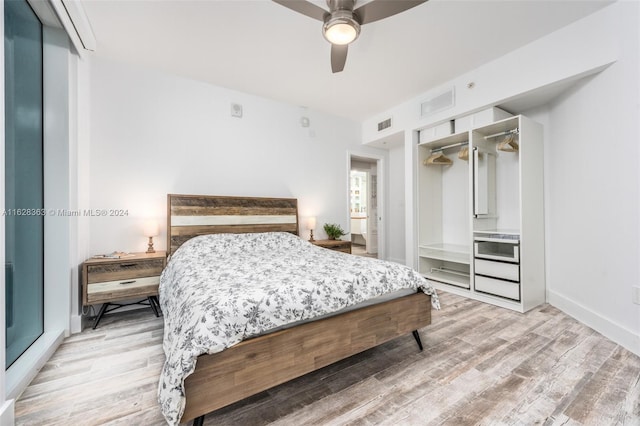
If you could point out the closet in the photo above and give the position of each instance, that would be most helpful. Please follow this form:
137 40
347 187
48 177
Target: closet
443 211
480 213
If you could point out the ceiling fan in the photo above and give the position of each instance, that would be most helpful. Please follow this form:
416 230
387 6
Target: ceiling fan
341 24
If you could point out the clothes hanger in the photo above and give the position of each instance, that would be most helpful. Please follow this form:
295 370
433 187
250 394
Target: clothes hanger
463 154
438 158
508 144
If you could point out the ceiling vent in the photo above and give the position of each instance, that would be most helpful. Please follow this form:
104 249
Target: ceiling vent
440 102
385 124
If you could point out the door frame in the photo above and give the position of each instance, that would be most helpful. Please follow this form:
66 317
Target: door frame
381 195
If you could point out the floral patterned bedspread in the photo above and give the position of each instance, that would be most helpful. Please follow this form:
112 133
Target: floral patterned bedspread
218 290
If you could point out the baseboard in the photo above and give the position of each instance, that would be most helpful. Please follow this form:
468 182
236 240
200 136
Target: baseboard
7 413
619 334
76 324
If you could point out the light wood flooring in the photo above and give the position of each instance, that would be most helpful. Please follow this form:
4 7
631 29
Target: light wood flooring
481 365
360 250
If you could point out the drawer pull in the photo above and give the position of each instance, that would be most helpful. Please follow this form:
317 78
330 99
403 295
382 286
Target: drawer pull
128 282
127 265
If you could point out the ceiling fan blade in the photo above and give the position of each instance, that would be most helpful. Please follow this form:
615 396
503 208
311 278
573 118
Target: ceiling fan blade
380 9
338 57
304 7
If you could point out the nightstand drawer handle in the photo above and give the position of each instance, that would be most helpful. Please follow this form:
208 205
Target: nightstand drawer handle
128 282
127 265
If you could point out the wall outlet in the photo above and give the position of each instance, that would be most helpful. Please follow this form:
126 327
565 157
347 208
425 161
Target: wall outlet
636 295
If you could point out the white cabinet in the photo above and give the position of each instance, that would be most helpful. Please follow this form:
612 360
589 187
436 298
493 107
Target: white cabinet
480 215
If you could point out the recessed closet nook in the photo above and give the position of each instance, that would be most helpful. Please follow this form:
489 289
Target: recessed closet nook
480 210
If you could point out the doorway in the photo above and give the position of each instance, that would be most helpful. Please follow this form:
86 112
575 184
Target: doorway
364 206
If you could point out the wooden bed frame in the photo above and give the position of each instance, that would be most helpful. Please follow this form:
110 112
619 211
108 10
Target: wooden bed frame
263 362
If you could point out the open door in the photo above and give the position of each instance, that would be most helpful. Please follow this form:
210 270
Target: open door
363 193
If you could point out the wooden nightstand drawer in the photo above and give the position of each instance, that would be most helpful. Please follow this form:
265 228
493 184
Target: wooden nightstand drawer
126 268
122 289
109 280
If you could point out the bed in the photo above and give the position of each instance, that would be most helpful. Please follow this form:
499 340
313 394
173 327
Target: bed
249 305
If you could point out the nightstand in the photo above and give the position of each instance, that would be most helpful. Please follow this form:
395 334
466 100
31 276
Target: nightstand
337 245
107 281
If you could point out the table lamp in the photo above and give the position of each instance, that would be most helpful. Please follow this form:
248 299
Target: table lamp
311 224
151 229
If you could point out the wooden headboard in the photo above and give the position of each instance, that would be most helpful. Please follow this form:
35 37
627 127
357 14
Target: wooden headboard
191 215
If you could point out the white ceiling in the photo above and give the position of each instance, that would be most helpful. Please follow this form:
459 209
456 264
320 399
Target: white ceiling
260 47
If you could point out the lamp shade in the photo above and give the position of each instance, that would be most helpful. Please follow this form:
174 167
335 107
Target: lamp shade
311 222
151 228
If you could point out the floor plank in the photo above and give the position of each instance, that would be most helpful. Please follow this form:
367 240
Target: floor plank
481 365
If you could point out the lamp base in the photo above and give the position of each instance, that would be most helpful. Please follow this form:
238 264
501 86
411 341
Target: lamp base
311 236
150 246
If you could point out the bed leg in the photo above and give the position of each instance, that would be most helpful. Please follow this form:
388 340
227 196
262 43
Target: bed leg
198 421
416 335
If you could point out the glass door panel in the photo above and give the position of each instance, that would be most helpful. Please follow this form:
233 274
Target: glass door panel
23 168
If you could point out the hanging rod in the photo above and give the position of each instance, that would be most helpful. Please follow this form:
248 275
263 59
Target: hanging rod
515 131
449 146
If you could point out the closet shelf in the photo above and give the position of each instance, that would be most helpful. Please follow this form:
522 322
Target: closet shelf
455 138
448 252
498 238
500 127
515 232
446 277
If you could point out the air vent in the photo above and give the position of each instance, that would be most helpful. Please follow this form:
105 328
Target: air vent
384 124
439 102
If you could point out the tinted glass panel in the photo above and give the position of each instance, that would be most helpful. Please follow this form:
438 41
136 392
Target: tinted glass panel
23 178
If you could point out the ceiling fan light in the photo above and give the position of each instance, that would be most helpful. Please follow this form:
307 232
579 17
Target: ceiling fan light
340 33
341 29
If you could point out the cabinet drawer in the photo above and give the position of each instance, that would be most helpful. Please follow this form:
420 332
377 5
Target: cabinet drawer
124 270
506 250
497 287
507 271
122 289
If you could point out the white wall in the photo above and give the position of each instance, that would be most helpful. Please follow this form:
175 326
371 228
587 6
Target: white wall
592 169
576 49
592 160
396 204
591 205
152 134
